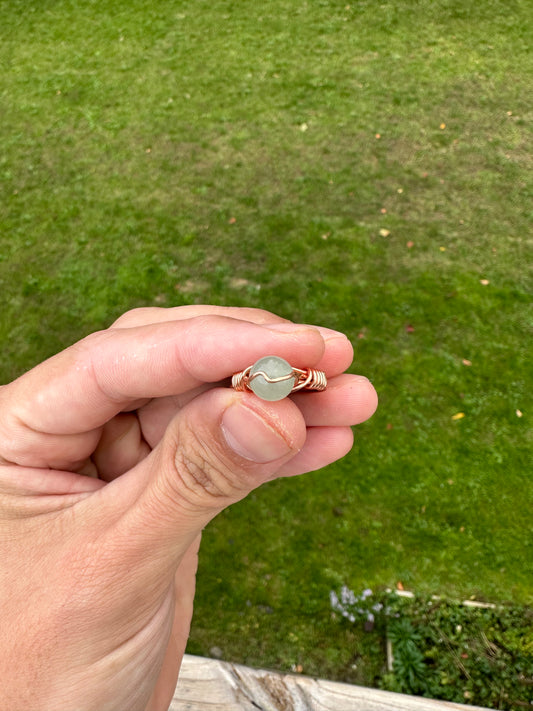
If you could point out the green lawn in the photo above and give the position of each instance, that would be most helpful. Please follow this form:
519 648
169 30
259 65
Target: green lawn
362 165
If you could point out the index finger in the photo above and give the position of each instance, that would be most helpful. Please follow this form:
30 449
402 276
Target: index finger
81 388
156 314
338 355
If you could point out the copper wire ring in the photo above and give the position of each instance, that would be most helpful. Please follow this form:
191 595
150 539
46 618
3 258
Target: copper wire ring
307 379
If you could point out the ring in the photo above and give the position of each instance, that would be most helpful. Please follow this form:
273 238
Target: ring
272 378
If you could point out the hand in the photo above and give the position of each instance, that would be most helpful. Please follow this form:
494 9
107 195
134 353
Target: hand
114 455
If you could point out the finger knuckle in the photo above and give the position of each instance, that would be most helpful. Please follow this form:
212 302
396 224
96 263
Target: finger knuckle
131 317
202 478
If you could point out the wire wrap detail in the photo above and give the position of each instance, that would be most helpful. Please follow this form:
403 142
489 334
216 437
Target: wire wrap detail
306 379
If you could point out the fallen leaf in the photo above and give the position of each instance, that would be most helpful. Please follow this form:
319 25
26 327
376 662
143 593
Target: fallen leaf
485 282
410 244
384 233
232 220
389 426
458 416
519 413
467 362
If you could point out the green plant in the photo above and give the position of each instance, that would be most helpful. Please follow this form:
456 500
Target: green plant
448 650
408 661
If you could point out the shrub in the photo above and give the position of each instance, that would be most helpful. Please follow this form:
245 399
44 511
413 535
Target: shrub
448 650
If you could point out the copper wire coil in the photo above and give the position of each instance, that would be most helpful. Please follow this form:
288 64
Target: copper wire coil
310 379
240 380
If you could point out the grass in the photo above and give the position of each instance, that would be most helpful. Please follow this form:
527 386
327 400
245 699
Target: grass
365 166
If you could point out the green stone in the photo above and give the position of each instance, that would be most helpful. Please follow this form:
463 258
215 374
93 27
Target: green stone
273 368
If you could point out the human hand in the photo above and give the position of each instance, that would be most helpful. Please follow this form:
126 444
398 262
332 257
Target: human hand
114 455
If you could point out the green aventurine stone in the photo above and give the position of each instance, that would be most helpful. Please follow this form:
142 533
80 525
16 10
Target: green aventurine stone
273 367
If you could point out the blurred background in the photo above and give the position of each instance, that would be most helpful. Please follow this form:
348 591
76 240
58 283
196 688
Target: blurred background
361 165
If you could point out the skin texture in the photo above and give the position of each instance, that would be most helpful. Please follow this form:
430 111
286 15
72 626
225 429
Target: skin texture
114 455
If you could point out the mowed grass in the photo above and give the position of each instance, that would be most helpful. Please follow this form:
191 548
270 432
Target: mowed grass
362 165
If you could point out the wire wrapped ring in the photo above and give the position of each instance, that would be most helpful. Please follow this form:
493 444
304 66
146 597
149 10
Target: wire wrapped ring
272 378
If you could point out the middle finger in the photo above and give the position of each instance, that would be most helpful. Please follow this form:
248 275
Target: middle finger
348 400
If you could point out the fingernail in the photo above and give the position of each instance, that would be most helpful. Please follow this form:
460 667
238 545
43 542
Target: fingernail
329 334
250 436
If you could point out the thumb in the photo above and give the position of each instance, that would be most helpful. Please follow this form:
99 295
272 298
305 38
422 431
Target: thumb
214 452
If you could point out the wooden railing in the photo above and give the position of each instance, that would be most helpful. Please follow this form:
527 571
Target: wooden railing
212 685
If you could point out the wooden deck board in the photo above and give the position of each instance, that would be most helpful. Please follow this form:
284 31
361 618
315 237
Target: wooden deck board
212 685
